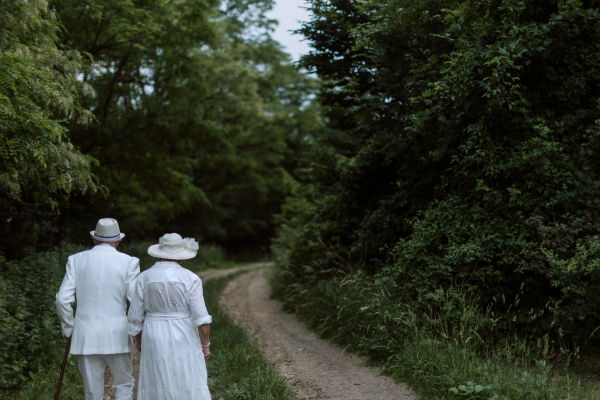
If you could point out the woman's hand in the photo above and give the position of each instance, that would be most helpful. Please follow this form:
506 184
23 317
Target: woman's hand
204 332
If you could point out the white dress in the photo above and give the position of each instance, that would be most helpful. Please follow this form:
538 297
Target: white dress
168 307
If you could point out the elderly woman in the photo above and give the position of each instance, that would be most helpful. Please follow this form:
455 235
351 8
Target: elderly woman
169 319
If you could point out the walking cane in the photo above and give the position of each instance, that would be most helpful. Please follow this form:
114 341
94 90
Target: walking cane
62 370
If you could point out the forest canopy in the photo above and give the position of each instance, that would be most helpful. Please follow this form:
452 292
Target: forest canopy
449 143
169 116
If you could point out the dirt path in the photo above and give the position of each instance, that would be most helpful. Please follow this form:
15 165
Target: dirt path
314 368
109 391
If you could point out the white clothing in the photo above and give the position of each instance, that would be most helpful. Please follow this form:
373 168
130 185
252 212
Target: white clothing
168 304
92 368
101 280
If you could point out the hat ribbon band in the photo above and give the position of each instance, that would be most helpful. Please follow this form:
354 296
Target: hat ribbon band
172 252
108 237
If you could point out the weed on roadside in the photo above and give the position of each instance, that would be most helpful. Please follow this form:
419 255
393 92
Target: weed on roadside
442 345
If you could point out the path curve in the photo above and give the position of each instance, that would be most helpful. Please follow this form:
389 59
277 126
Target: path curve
109 391
313 367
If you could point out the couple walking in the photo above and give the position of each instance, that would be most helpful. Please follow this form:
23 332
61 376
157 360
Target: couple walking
167 317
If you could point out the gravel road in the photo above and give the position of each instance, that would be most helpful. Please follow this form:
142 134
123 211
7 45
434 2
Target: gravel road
313 367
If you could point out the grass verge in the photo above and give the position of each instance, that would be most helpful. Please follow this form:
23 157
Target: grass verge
237 369
445 350
42 385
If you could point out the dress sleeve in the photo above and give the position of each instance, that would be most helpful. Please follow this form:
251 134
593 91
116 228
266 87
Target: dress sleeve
133 270
64 298
137 313
195 300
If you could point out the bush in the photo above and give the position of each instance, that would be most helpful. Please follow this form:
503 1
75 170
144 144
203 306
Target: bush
470 140
29 328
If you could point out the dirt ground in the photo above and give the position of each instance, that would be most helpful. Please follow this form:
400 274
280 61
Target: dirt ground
313 368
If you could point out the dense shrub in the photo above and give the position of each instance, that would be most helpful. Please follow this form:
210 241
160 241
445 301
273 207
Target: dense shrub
469 143
29 328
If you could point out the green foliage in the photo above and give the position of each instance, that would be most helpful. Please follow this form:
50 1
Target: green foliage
527 150
467 153
442 344
197 120
237 368
196 105
29 328
39 168
42 384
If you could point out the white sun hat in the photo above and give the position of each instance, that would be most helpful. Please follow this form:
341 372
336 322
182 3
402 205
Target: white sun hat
107 230
173 247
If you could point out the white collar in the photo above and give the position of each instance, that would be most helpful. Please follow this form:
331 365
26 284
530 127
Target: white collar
104 246
168 263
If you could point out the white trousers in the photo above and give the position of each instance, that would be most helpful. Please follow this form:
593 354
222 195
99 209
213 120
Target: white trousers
92 368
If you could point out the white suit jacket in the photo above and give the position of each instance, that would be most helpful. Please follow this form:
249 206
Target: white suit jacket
101 280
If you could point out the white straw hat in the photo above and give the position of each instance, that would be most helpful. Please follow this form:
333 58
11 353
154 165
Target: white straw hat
107 230
173 247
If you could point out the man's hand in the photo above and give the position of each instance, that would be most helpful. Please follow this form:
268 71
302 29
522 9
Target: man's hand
138 341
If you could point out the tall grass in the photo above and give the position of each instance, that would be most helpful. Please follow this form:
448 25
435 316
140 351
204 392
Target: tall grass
237 369
445 347
42 384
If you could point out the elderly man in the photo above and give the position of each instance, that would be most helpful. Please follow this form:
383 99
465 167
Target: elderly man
101 280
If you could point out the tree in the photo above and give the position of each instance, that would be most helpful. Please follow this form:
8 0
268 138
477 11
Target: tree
40 168
473 151
195 105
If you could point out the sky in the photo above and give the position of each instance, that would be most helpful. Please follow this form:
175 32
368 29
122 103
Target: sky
289 13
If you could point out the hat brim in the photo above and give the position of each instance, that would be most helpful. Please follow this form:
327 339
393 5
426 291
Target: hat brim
155 251
102 239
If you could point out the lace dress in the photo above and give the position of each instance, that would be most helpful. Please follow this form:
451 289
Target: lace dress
168 307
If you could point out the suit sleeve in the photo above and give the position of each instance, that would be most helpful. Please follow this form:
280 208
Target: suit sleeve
64 298
133 271
137 312
196 303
